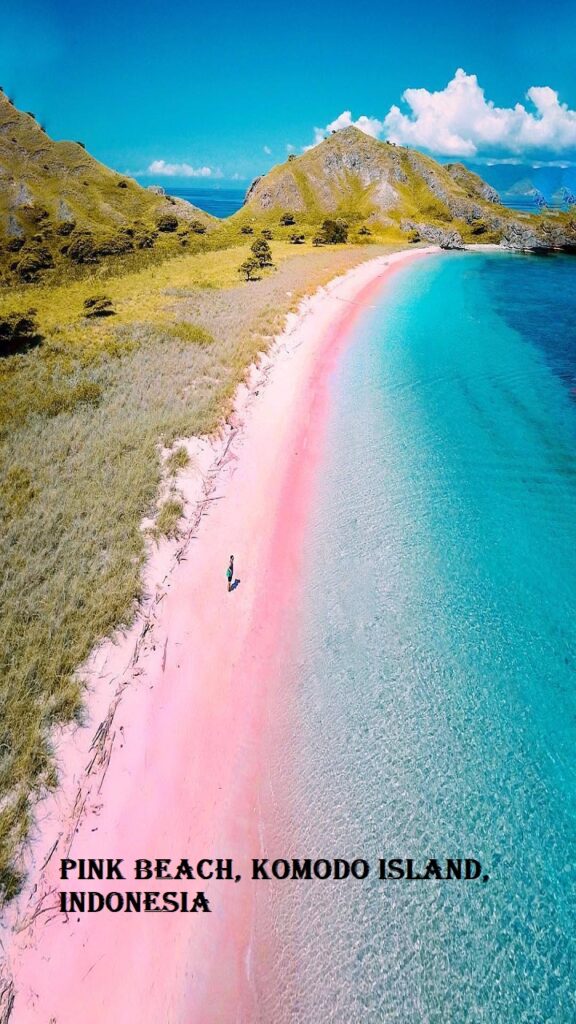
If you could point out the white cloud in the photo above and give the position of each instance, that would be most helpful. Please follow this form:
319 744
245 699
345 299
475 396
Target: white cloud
460 121
290 148
182 170
267 150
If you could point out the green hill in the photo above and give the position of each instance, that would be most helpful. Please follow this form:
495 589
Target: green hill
394 190
60 208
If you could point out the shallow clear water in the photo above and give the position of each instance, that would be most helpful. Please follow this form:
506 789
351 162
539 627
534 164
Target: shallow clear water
430 699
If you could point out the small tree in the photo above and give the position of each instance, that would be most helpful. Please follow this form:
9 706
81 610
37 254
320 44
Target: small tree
334 231
167 222
249 268
262 252
287 219
296 238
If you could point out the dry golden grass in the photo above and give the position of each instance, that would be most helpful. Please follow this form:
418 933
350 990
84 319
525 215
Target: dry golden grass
83 419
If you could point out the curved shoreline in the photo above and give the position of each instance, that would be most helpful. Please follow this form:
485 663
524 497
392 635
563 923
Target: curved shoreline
183 700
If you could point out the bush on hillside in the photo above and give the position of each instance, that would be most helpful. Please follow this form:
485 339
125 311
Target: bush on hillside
287 219
297 239
167 222
247 230
114 245
198 227
144 239
266 233
122 184
334 231
33 261
18 332
82 248
249 268
262 252
99 305
65 227
364 230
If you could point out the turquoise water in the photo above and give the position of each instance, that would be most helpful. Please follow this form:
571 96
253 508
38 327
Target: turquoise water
430 700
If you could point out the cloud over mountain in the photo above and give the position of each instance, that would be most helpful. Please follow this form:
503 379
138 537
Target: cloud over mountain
459 121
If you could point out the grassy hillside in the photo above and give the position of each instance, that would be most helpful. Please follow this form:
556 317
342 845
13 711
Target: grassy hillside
62 212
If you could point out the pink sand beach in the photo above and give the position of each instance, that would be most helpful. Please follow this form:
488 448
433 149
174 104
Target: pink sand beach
170 761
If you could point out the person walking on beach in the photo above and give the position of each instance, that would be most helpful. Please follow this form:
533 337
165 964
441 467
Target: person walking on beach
230 572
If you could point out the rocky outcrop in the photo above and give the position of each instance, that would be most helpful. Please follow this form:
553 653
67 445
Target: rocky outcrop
472 183
446 238
542 236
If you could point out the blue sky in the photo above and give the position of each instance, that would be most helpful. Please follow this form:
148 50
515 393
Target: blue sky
208 92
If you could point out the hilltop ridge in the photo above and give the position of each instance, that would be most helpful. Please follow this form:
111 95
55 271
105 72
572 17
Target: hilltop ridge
359 178
58 204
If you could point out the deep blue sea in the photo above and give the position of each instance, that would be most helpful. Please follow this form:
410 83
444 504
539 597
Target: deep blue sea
222 202
430 697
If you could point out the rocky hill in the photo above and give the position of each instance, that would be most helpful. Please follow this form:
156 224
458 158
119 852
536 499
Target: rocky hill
59 206
355 177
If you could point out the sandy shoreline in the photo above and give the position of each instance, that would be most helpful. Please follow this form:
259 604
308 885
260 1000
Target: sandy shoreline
170 763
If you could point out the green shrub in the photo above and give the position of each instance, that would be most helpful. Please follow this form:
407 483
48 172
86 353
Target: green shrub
114 245
246 229
262 252
287 219
168 517
98 305
334 231
177 460
82 248
122 184
198 227
364 230
65 227
145 239
18 333
266 233
297 239
249 268
167 222
33 261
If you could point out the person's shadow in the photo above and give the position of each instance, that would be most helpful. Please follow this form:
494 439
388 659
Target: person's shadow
235 584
